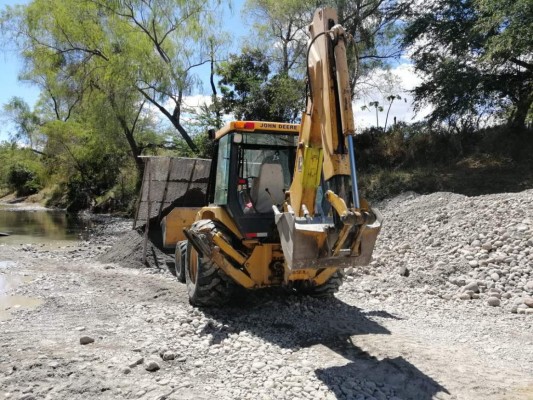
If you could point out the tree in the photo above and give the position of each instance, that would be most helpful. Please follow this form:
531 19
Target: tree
282 28
250 92
25 120
390 99
475 56
374 25
152 47
377 108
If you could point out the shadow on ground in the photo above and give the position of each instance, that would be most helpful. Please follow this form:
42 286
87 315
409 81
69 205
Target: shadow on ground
300 322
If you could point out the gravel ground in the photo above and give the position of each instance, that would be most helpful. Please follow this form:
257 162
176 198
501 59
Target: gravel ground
429 319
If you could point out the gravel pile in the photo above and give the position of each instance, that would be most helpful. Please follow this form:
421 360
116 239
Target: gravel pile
457 247
127 251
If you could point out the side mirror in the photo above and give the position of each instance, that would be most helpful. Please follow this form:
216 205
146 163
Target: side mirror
211 134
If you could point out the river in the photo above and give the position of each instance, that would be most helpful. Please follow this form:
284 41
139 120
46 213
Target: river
21 225
38 226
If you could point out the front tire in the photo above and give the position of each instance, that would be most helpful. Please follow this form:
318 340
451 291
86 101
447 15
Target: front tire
207 285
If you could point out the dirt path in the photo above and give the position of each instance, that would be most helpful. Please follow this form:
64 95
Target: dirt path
353 347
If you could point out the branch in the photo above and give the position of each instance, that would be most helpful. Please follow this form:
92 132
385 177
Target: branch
521 63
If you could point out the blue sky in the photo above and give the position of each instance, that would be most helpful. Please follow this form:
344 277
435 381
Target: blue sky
10 67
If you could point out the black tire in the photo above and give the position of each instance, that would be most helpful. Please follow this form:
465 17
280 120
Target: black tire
179 260
207 285
327 289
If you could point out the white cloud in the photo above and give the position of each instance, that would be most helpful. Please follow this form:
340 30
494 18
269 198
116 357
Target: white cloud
197 100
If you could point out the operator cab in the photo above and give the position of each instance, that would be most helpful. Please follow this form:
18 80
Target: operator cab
252 171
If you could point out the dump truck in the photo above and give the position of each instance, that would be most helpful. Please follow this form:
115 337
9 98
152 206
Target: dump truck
282 205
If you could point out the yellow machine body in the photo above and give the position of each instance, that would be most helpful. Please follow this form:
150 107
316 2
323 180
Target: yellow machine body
312 230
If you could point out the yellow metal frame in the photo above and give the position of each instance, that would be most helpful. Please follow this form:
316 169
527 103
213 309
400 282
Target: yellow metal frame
219 214
262 126
173 224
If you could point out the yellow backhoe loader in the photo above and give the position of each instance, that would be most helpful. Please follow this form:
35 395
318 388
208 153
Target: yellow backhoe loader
282 206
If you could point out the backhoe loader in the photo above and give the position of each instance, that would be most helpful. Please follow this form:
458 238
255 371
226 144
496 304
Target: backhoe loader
282 207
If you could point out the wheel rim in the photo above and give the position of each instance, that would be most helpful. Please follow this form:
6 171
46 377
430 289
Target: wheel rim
177 262
193 265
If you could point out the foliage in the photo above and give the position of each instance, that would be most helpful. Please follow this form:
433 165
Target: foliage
476 57
25 120
141 49
250 92
20 169
281 27
374 24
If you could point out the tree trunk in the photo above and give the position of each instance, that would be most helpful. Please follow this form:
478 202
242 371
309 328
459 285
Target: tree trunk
172 118
518 119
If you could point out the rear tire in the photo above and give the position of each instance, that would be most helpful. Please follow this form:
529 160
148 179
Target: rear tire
328 289
179 260
207 285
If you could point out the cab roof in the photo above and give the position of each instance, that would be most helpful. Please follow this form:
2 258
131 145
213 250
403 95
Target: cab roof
252 126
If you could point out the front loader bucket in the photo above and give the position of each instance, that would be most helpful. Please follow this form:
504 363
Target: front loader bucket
309 244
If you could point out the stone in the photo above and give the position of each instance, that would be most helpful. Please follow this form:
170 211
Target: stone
86 340
471 286
258 365
139 361
493 301
168 356
403 271
528 301
126 371
151 366
464 296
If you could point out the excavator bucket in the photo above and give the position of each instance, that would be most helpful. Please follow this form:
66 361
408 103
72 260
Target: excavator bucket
309 243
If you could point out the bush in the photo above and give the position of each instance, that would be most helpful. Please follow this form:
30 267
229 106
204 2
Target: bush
23 180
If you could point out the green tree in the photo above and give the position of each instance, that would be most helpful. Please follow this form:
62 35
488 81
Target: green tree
475 56
25 120
152 47
282 27
251 92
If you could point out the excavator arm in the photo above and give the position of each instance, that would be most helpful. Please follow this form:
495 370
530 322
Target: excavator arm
324 223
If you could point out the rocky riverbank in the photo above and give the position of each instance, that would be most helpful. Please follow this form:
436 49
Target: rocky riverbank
419 323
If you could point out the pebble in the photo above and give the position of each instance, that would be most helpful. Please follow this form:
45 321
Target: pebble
139 361
464 296
151 366
86 340
168 356
471 286
493 301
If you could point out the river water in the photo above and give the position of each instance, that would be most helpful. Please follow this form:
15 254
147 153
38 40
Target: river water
20 225
37 226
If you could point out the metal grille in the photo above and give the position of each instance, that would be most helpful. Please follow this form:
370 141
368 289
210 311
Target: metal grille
170 182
